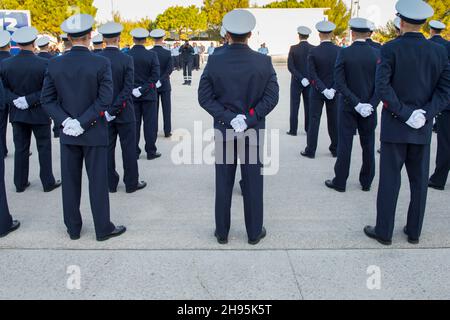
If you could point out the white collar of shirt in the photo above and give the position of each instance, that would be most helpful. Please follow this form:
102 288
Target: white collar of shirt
116 47
325 41
360 40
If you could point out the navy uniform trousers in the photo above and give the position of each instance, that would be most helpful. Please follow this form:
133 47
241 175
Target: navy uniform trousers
441 173
317 101
127 135
416 159
5 217
165 100
3 128
147 112
22 139
298 91
252 186
96 161
349 122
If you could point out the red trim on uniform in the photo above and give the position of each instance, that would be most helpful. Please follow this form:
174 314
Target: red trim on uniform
378 61
385 105
152 85
124 104
252 112
313 82
102 114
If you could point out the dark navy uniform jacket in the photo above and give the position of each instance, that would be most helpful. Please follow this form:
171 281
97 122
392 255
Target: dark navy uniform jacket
321 62
45 55
166 67
122 67
413 73
79 85
355 72
373 44
298 60
439 40
4 55
187 53
2 98
23 76
220 49
239 81
146 72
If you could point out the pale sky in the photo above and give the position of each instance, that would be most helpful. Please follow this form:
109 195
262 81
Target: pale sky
379 11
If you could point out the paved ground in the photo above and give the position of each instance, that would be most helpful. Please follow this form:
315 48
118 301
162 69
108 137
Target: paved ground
315 247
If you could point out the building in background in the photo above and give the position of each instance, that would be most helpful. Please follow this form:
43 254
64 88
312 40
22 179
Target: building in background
278 28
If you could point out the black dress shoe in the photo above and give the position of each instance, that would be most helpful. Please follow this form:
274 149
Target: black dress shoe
118 231
141 185
30 154
14 226
289 133
74 237
366 189
53 187
219 239
23 189
379 150
334 155
153 156
167 135
370 232
307 155
435 186
410 240
257 240
113 190
330 184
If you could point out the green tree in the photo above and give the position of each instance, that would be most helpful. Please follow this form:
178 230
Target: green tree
47 15
185 21
441 13
338 12
128 25
385 34
216 10
284 4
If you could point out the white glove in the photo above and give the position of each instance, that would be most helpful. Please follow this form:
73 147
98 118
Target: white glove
72 128
329 93
109 117
239 125
21 103
417 119
158 84
364 109
137 92
305 82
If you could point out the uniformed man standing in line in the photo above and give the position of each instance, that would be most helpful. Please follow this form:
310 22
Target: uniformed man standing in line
120 115
369 40
97 43
163 85
79 105
413 81
439 179
43 43
7 224
239 89
300 86
146 76
23 77
321 61
355 81
66 42
187 62
5 47
225 41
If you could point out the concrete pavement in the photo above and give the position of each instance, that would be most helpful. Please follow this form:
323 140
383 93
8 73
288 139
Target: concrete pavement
315 246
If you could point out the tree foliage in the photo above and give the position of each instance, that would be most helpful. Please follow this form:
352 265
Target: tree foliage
284 4
216 10
47 15
385 34
185 21
441 13
338 13
128 25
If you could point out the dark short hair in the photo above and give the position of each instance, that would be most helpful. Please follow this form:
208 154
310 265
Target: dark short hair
239 37
303 37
